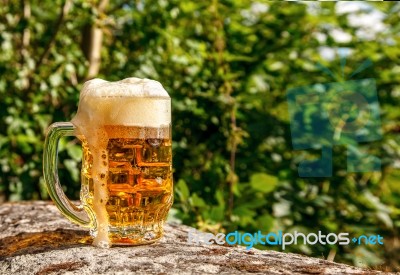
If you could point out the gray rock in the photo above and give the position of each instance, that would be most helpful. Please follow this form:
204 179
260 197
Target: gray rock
36 239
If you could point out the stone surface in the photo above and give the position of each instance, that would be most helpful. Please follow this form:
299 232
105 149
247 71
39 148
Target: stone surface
36 239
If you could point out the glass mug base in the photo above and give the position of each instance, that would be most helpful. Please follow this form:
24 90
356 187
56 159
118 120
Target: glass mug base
132 236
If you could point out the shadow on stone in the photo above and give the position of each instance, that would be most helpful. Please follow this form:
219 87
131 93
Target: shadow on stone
32 243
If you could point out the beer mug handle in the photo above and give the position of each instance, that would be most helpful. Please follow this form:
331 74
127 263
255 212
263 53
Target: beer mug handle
75 213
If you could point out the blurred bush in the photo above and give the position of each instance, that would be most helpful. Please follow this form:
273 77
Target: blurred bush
227 65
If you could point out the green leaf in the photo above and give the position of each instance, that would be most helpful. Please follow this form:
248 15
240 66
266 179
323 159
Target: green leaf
182 190
244 215
220 198
265 222
263 183
197 201
72 168
75 152
216 213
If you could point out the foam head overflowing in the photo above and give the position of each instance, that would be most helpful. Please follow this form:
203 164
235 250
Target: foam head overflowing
129 102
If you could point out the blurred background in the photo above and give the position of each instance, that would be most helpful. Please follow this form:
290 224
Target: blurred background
227 66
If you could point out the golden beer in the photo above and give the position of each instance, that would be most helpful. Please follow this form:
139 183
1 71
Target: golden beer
125 129
139 182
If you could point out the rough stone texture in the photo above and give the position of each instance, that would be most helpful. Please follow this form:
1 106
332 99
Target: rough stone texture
36 239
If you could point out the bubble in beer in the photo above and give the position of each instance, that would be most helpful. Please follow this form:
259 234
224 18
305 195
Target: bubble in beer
154 142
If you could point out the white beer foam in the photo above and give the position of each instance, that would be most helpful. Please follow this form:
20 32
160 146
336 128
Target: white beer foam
127 87
129 102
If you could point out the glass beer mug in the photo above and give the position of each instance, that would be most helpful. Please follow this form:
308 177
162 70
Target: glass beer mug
127 187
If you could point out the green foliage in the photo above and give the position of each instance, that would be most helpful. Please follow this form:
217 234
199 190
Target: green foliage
227 66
